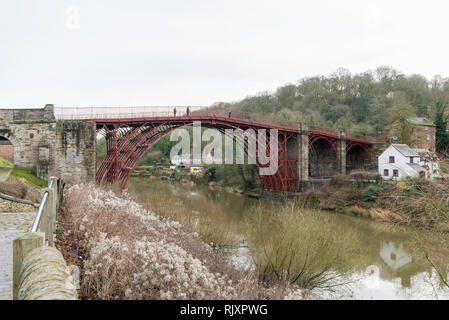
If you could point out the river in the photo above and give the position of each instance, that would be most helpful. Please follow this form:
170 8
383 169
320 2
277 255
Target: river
389 266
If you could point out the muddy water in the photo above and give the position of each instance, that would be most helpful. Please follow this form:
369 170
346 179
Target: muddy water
391 266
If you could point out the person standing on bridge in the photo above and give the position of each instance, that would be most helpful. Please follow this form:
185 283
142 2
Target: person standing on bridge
249 118
174 111
188 111
229 114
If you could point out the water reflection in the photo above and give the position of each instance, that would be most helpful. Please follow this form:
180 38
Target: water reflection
394 256
388 264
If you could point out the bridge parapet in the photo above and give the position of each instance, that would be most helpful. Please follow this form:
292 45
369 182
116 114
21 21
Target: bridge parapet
135 112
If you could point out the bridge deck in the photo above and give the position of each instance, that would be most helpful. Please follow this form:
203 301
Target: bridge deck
223 122
129 115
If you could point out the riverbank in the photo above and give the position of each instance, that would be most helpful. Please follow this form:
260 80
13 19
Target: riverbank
368 259
417 203
240 179
413 202
129 252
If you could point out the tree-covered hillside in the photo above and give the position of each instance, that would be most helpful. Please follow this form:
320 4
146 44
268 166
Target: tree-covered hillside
360 103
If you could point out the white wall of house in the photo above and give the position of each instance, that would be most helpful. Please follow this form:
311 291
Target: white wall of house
434 168
179 159
400 164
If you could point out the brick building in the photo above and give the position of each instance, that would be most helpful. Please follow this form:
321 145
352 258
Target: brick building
424 134
6 149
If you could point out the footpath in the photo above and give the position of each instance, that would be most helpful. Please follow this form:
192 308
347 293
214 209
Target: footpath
12 224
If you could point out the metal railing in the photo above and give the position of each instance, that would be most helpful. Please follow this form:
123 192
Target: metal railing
92 113
86 113
38 218
39 269
45 221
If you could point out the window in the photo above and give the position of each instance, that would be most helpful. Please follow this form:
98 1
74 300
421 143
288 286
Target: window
411 159
395 173
386 173
391 159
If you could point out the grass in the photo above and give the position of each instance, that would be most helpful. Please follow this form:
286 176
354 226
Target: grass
298 245
6 163
28 177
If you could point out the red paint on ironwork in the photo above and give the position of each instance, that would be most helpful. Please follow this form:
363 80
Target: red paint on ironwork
127 141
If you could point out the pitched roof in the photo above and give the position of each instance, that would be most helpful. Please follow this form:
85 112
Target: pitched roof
405 150
415 167
427 155
421 121
196 165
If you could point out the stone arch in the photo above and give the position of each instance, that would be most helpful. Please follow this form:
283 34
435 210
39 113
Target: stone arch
6 149
357 158
9 145
323 159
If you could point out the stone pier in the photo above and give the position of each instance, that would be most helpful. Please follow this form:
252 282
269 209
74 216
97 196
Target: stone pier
341 147
303 156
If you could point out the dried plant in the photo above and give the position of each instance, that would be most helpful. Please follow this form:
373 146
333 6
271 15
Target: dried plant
131 253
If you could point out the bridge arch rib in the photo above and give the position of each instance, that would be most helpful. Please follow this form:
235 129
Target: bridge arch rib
357 155
127 143
323 155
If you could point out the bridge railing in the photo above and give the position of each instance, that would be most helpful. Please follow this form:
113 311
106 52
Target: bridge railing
84 113
134 112
39 269
235 114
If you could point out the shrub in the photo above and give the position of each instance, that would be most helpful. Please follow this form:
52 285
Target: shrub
339 180
298 245
131 253
370 194
16 188
421 203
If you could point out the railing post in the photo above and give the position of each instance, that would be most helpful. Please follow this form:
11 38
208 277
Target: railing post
55 199
22 246
48 221
51 213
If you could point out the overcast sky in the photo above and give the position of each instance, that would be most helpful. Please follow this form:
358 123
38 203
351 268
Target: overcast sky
178 52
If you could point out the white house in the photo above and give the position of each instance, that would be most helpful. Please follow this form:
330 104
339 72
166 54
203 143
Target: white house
180 159
399 161
429 161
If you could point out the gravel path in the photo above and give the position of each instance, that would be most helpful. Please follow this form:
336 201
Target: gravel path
11 226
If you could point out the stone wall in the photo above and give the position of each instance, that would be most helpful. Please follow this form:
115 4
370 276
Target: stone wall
75 151
26 129
48 147
45 276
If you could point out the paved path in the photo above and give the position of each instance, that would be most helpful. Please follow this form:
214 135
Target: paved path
11 225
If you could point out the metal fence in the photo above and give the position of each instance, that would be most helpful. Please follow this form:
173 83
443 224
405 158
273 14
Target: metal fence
134 112
45 221
42 234
84 113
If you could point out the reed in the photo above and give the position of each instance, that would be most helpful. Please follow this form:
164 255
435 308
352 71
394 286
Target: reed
298 245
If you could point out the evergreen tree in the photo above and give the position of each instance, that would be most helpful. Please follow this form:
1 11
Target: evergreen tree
441 123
